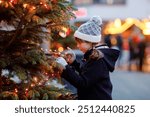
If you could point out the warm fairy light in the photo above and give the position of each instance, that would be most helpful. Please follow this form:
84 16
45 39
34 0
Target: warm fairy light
16 90
0 1
41 3
46 6
52 74
26 89
63 33
60 49
35 79
25 5
33 7
11 1
32 85
46 73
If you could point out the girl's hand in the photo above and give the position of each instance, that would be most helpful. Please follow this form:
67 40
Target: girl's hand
62 62
70 55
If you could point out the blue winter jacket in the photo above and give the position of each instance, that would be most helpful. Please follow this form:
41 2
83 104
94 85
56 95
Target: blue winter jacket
91 78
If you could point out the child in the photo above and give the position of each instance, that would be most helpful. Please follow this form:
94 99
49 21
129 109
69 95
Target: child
92 77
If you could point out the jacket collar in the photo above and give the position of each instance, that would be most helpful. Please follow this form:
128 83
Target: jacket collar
89 52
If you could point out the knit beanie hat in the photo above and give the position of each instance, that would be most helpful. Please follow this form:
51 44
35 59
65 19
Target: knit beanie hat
90 31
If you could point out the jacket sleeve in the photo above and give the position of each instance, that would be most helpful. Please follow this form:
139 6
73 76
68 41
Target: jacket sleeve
96 72
76 65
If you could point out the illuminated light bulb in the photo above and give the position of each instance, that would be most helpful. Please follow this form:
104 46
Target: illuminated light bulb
46 5
25 5
46 73
16 90
32 85
35 79
0 1
60 49
33 7
42 49
41 3
11 1
52 74
26 89
64 32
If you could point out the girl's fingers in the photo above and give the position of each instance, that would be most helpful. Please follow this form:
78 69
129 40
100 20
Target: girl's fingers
69 48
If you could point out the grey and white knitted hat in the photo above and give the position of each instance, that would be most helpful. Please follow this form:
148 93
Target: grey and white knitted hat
90 31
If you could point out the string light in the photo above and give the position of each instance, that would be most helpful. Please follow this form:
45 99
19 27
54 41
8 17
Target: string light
46 6
60 49
32 85
33 8
0 1
46 73
25 5
11 1
16 90
35 79
42 49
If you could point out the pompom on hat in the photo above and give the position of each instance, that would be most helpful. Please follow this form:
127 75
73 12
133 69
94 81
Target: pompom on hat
90 31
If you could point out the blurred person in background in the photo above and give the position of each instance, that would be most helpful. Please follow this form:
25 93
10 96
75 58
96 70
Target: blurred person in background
141 54
134 51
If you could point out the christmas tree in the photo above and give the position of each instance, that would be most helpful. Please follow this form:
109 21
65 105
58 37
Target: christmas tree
26 71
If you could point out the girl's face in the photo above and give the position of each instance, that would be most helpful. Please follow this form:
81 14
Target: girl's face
83 46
